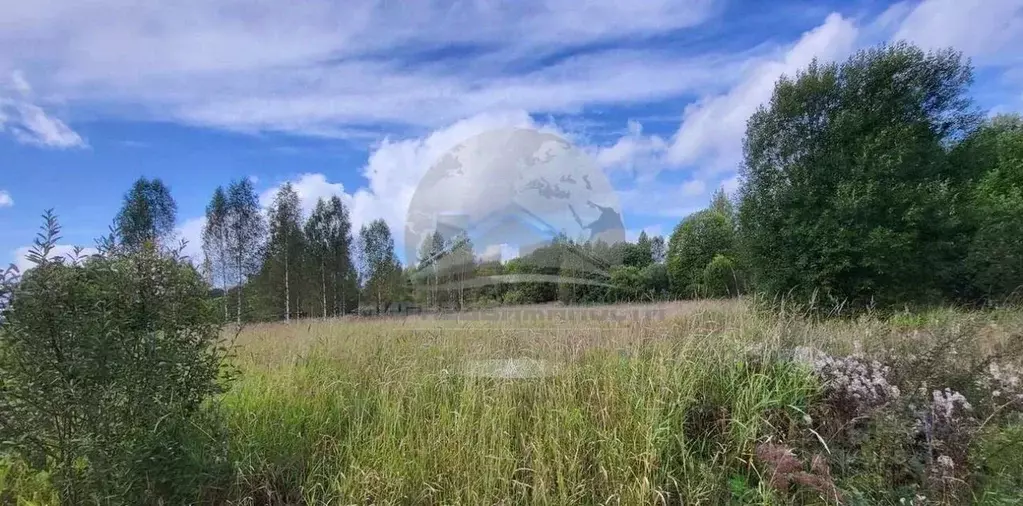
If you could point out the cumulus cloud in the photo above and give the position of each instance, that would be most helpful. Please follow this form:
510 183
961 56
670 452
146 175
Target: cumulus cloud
712 127
5 199
310 187
634 152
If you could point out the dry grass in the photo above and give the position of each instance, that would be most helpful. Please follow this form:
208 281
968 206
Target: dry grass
663 410
670 409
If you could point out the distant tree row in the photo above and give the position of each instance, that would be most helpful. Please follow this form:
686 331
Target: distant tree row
869 183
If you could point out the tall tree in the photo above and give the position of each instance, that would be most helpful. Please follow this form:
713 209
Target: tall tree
381 267
329 235
215 239
847 187
147 214
246 231
722 204
429 253
994 259
285 248
657 249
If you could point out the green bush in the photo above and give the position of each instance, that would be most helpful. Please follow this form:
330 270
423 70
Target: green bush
721 277
848 189
995 257
693 244
104 362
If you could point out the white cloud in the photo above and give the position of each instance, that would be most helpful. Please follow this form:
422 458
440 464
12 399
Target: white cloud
19 83
310 187
318 65
635 152
190 231
499 252
731 185
38 128
990 31
60 250
712 127
29 123
5 199
658 199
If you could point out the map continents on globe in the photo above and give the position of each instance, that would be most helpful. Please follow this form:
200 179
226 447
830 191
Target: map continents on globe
509 192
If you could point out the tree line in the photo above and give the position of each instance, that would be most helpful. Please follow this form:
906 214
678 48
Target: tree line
870 183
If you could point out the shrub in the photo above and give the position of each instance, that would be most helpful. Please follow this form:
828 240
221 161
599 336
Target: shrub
694 243
103 362
721 277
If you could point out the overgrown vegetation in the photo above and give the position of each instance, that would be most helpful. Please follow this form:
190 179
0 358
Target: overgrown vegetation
105 364
871 189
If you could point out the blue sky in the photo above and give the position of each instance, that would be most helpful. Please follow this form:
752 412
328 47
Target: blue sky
359 97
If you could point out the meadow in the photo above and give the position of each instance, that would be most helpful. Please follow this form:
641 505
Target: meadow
683 407
700 402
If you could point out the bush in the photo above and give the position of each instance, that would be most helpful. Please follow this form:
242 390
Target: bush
694 243
103 363
721 277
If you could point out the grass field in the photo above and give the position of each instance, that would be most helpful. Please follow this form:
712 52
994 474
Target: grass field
699 403
664 411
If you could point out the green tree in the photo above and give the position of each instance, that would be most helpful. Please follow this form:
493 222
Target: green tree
285 249
655 281
427 271
382 270
246 231
640 254
147 214
696 240
658 250
627 283
847 185
214 242
329 238
106 361
722 204
995 257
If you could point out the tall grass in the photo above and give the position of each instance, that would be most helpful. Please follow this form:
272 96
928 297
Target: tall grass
648 412
670 411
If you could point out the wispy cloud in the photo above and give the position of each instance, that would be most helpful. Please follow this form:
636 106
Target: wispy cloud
28 122
5 199
327 68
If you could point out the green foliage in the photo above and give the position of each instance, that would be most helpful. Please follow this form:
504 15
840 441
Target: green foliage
214 244
103 362
329 236
147 214
721 277
848 185
995 256
246 230
694 243
381 269
285 253
627 281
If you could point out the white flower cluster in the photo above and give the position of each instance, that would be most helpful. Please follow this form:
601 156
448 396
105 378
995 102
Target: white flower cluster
863 383
945 402
1003 381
